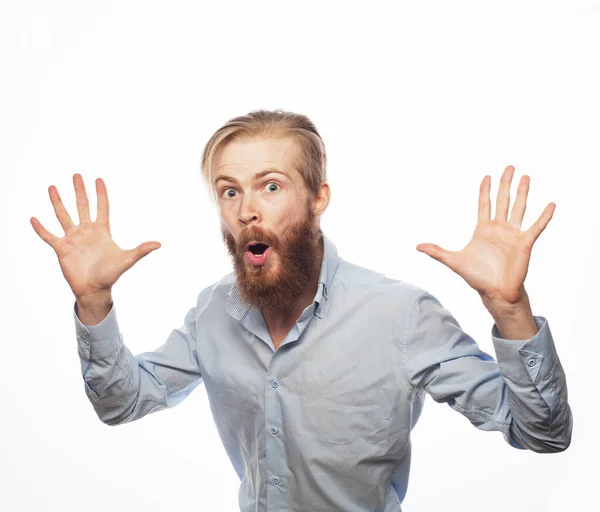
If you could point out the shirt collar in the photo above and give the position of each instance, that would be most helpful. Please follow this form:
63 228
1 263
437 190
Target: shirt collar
237 308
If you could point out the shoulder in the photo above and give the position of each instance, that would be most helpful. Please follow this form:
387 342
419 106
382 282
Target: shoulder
353 281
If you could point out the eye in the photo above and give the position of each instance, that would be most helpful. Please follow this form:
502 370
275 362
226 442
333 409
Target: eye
272 187
229 193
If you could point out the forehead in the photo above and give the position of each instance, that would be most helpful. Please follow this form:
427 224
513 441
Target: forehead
255 155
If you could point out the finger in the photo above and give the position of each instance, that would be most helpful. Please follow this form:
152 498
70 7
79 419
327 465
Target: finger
438 253
81 198
518 210
102 215
135 255
43 233
484 199
59 208
536 230
503 199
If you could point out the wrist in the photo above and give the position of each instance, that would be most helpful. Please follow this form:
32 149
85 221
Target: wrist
513 320
505 309
93 297
499 306
94 307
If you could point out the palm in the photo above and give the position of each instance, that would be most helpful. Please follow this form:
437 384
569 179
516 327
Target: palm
88 256
496 259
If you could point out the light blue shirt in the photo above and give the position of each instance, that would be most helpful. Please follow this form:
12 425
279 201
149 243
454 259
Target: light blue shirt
323 423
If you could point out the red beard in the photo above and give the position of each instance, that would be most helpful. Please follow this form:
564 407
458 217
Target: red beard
277 284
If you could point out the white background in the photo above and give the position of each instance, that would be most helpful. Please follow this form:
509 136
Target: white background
416 102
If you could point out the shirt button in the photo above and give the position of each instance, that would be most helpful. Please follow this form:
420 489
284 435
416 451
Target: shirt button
274 430
531 362
276 481
275 384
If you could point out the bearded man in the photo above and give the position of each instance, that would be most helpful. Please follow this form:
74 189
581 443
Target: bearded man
316 368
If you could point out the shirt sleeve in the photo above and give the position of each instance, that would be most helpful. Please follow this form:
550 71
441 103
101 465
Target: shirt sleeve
523 394
123 387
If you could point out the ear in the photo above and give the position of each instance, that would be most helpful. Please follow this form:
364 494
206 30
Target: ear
321 200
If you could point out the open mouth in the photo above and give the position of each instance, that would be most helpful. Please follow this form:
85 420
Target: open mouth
257 253
257 248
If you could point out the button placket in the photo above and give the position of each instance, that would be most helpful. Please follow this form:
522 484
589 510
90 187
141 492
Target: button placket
274 450
276 464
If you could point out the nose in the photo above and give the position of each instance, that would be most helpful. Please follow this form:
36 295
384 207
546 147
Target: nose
248 212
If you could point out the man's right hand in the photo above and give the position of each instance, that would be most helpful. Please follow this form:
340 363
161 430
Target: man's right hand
89 258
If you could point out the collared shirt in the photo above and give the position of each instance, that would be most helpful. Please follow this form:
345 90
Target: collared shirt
323 422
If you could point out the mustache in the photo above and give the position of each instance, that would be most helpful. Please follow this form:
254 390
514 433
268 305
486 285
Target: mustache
255 233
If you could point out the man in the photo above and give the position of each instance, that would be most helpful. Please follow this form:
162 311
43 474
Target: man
316 368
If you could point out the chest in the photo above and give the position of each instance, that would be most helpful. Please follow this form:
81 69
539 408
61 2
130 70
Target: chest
332 377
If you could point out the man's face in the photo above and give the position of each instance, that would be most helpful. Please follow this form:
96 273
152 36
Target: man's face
267 219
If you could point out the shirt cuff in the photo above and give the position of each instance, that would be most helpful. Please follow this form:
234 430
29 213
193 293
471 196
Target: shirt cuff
526 360
100 341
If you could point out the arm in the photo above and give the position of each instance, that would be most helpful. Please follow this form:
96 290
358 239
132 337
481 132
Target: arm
123 387
523 395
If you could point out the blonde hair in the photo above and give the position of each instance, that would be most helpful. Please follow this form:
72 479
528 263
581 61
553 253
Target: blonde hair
312 163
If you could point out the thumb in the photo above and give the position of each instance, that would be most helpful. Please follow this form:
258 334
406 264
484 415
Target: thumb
438 253
132 256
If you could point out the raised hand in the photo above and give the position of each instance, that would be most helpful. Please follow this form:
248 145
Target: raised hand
89 258
496 259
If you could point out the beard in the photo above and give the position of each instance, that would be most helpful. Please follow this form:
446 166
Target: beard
289 269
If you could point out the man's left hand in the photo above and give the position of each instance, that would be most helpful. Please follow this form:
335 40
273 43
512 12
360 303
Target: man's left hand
496 259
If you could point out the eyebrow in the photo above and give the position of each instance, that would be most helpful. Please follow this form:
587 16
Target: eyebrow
256 177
